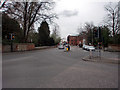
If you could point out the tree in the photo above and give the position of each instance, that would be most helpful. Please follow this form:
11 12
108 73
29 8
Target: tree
33 38
112 17
44 33
2 3
10 26
119 17
80 29
0 27
105 32
89 29
51 41
29 13
55 34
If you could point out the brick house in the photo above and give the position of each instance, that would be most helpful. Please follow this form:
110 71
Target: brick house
73 40
76 40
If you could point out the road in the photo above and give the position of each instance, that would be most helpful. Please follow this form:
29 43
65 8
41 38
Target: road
54 68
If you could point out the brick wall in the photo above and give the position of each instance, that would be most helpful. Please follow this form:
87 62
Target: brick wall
113 47
0 47
6 48
18 47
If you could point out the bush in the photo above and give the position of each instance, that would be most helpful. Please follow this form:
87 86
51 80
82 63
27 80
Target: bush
115 39
6 42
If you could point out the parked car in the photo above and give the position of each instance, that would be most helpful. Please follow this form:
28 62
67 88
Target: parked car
85 47
88 48
60 46
92 48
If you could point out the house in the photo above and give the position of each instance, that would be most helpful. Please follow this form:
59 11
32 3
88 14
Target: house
76 40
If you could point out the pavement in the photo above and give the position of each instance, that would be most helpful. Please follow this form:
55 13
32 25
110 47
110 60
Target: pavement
102 60
105 57
54 68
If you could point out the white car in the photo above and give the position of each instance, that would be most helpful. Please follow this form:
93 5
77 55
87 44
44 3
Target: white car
85 47
60 46
88 48
92 48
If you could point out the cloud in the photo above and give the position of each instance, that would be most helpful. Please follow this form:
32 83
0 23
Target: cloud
69 13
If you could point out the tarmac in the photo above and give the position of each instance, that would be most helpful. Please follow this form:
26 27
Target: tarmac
44 47
89 58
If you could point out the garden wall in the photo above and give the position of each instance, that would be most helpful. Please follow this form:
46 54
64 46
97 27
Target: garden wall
113 47
18 47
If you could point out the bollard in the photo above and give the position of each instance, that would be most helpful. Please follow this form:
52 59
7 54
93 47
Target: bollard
90 53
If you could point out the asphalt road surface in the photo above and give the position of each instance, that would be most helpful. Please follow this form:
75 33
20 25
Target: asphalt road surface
54 68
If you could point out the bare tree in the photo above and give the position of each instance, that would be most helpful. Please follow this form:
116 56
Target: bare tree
112 17
29 13
80 29
89 30
119 17
56 34
89 26
2 3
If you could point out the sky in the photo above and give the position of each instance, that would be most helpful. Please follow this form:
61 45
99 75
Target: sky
74 13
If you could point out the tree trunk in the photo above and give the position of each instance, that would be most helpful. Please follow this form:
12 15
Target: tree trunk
31 23
113 26
25 21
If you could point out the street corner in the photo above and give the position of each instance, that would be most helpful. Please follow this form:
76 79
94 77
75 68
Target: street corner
102 59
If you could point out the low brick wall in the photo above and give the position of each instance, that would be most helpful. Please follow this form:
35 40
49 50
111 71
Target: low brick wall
113 47
6 48
18 47
0 47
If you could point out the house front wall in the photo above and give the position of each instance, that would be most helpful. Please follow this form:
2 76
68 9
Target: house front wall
76 40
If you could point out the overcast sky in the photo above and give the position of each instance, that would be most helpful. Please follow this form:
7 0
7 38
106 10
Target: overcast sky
73 13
